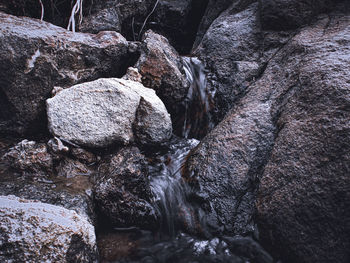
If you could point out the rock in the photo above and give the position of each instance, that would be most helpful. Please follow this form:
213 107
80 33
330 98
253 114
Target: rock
102 112
133 74
30 157
176 20
122 191
231 51
223 169
36 56
213 10
303 198
58 194
290 14
84 156
69 168
34 231
106 19
291 132
161 70
234 55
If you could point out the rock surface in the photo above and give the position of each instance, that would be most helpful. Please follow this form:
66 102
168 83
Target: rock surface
30 157
103 112
290 14
36 56
291 132
37 232
162 70
122 191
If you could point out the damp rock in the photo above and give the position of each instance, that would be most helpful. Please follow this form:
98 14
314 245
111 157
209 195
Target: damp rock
37 56
30 157
161 69
102 112
34 231
122 190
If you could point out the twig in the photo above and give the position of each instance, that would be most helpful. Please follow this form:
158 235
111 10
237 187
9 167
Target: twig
144 23
42 11
77 8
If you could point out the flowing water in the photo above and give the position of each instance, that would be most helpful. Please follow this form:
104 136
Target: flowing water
198 102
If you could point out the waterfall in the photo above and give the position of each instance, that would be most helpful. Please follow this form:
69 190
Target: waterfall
198 102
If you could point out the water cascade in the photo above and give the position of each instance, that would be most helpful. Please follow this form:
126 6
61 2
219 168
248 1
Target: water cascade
198 103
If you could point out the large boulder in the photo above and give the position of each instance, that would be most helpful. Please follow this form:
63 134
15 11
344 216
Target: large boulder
36 56
122 191
290 131
304 194
104 111
161 69
37 232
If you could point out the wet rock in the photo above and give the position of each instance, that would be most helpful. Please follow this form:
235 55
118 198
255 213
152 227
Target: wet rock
231 52
84 155
122 191
290 14
30 157
34 231
102 112
303 198
161 70
213 10
297 111
36 56
69 168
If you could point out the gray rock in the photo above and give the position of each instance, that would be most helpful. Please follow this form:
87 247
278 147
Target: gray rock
122 190
38 232
304 194
36 56
291 132
103 20
102 112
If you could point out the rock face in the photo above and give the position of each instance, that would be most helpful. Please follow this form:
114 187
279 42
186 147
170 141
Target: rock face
231 51
291 132
37 232
304 195
290 14
122 190
36 56
103 112
162 70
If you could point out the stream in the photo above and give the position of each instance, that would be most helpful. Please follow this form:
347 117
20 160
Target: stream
173 242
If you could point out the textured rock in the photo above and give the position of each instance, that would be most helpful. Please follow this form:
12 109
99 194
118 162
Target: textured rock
213 10
102 112
122 191
290 14
232 40
291 132
34 231
29 157
303 197
161 70
36 56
